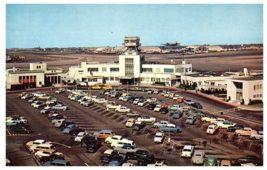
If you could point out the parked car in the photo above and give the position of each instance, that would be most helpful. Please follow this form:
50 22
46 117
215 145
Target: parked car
180 99
161 123
197 105
51 153
69 128
191 120
79 137
44 97
225 162
164 110
208 118
138 125
211 161
39 104
93 146
258 135
142 103
188 102
88 103
60 107
174 107
36 142
130 122
212 129
245 132
57 162
123 109
21 129
170 128
109 140
117 160
125 149
107 155
235 127
159 137
133 114
74 132
177 114
60 91
187 151
146 119
225 124
196 113
198 157
151 106
249 159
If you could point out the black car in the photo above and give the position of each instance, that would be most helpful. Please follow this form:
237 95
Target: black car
74 132
107 155
249 159
197 105
89 103
164 110
138 125
21 129
233 128
151 106
56 117
93 146
139 153
65 124
130 100
86 140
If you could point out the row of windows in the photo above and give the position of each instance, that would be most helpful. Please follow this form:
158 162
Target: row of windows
258 86
104 69
155 79
257 95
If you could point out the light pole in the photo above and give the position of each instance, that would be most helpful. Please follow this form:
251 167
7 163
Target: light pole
127 87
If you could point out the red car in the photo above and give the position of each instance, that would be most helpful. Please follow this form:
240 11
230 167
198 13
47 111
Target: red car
181 99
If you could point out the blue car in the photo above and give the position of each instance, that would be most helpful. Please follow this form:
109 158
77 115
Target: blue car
170 128
117 160
177 114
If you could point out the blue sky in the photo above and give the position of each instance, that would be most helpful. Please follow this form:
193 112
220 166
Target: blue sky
93 25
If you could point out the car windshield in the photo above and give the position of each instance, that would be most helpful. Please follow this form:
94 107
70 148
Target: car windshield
187 150
198 154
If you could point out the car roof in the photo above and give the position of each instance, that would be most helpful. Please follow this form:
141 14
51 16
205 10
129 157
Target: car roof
159 133
199 151
108 151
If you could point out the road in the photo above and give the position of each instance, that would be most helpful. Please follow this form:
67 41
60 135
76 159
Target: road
94 118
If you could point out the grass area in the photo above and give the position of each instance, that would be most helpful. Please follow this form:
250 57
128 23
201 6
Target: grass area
258 105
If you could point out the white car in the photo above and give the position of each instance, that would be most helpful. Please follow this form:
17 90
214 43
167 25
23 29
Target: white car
161 123
48 153
127 164
256 135
44 97
136 101
130 122
79 137
100 101
123 109
198 157
83 83
218 120
147 119
60 91
187 151
208 118
212 129
157 108
159 137
109 140
167 94
54 121
142 103
35 143
225 124
60 107
175 97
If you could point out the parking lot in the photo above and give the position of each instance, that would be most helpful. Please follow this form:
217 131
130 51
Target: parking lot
223 144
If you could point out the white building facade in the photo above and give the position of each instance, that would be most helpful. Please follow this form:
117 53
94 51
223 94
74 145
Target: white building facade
131 69
250 88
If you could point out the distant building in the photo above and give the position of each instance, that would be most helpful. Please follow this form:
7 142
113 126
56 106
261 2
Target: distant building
248 88
37 75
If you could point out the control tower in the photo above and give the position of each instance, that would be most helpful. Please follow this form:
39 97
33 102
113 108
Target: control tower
131 60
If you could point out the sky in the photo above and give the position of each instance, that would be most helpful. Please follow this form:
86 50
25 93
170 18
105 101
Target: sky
94 25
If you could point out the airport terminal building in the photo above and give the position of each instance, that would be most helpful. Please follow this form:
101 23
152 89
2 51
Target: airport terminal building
131 69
